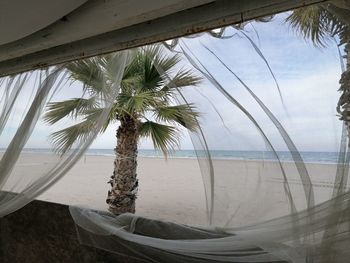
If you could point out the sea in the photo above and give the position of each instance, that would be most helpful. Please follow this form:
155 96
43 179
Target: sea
308 157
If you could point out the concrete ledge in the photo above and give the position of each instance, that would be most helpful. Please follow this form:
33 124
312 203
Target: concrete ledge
45 232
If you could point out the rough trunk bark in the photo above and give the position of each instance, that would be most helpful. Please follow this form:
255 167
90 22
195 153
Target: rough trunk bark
343 107
347 105
124 184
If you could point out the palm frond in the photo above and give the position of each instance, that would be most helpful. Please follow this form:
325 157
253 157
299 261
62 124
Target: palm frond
162 61
68 108
90 72
64 139
113 63
144 90
152 78
133 75
183 78
184 114
316 23
150 65
164 137
94 115
137 103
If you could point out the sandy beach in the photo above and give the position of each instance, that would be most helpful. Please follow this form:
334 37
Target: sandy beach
170 190
173 190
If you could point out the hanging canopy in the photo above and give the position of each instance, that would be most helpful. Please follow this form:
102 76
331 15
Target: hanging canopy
69 30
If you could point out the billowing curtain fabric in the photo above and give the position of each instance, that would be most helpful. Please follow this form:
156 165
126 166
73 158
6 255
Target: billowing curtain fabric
273 202
25 170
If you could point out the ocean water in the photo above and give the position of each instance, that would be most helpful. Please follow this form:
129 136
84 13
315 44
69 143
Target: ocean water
308 157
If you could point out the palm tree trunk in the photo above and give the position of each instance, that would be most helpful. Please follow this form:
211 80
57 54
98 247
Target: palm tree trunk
122 197
343 107
347 92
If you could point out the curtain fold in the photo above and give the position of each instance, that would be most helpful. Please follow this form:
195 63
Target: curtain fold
30 160
273 202
274 159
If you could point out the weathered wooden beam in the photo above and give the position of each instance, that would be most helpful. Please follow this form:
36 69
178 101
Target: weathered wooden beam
212 15
94 17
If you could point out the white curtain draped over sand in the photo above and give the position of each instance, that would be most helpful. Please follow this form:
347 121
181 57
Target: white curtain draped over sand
25 173
269 206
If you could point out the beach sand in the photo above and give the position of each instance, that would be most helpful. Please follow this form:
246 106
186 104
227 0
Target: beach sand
170 190
173 190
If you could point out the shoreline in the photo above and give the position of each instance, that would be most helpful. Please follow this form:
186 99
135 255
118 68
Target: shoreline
257 156
216 159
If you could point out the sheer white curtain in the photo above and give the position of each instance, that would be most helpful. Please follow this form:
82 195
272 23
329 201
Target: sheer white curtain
274 203
30 161
269 202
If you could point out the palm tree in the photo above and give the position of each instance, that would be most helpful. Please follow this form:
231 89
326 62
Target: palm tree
144 107
321 23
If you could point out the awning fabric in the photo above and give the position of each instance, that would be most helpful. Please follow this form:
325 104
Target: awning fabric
39 33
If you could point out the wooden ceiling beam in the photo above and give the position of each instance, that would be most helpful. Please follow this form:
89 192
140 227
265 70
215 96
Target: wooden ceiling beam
198 19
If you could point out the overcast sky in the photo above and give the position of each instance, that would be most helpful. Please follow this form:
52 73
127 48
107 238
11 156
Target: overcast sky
308 78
